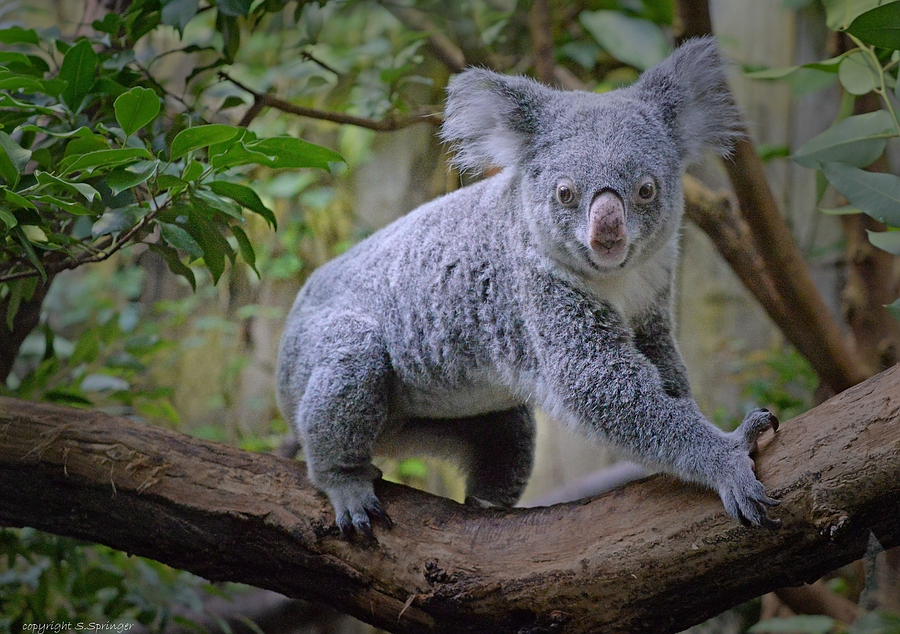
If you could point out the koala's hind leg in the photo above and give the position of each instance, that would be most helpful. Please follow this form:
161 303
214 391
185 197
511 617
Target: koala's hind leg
343 410
501 456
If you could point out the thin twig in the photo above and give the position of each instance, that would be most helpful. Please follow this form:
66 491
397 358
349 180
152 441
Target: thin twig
315 60
101 253
389 123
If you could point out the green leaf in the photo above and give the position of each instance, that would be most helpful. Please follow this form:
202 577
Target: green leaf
639 43
245 247
16 200
121 179
877 195
78 70
46 180
18 35
246 197
67 205
83 145
8 59
116 221
135 109
232 102
30 253
177 13
167 182
24 106
209 202
857 74
7 218
839 14
13 159
856 140
180 239
879 27
201 136
82 132
215 246
886 240
174 263
104 158
111 23
234 8
292 153
192 171
223 158
15 83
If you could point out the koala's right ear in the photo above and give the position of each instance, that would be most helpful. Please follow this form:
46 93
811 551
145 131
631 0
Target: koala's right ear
490 117
690 90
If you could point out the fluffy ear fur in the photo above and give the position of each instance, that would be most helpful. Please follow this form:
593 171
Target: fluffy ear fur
691 92
490 117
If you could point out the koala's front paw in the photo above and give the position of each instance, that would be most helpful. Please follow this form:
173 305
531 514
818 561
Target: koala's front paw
355 506
742 494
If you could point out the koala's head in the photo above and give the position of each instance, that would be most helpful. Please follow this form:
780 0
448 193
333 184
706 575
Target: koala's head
600 173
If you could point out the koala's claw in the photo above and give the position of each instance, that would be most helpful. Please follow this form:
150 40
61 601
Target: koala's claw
750 509
742 494
754 424
355 508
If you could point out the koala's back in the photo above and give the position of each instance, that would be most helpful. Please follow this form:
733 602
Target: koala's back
426 288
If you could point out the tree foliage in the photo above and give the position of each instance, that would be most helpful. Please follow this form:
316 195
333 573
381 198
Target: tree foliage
89 165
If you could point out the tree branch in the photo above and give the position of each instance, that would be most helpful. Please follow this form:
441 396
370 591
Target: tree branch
227 514
388 124
99 252
27 318
723 223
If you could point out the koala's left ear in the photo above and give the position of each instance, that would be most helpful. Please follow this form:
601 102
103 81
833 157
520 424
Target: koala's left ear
690 90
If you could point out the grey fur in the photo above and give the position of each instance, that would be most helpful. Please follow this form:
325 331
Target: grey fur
438 333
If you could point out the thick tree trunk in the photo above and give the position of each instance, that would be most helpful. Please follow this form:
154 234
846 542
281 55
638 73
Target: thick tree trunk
655 556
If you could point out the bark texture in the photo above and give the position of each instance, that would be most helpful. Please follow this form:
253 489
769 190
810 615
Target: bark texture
655 556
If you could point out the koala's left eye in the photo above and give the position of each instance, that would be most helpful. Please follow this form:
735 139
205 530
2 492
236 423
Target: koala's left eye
645 191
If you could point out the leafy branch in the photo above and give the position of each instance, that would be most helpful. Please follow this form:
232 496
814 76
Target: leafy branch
853 143
87 166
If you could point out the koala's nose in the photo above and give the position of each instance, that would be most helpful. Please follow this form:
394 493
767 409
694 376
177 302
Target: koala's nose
606 228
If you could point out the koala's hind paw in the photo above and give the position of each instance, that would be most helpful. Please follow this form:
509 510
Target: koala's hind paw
742 494
354 511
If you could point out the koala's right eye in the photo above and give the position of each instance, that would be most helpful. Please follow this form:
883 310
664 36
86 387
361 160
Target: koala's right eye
565 193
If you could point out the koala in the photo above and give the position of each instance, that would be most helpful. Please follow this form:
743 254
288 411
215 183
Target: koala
548 284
